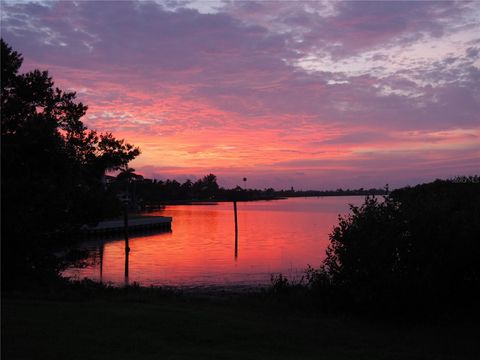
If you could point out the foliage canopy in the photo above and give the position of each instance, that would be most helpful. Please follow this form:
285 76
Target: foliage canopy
52 165
417 248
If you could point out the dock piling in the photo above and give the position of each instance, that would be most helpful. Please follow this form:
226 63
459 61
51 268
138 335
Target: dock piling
236 228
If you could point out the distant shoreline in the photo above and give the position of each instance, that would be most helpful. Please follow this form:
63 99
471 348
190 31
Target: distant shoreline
215 201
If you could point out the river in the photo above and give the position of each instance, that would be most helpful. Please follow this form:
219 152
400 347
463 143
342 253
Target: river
281 236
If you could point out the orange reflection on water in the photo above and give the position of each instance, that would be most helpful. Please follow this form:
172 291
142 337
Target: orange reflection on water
273 237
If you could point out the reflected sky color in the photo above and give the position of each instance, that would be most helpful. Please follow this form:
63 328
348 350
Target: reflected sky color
274 237
305 94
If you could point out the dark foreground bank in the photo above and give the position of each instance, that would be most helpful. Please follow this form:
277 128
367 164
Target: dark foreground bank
156 324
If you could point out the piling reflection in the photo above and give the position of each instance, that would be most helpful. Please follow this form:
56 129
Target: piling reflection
127 252
100 250
236 246
236 228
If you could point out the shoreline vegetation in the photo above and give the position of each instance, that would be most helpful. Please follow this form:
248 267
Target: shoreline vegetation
145 194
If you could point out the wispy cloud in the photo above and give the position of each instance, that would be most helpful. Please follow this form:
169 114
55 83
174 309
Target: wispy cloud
272 90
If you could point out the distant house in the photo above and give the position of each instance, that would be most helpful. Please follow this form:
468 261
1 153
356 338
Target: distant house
107 180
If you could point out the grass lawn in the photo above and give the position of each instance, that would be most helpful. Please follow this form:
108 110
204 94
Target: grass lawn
206 329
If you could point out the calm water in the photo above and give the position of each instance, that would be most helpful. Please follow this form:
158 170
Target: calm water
274 237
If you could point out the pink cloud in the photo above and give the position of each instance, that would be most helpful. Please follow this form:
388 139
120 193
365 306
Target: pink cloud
221 93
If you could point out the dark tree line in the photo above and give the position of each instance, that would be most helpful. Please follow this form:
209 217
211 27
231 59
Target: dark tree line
337 192
205 189
150 192
153 191
52 168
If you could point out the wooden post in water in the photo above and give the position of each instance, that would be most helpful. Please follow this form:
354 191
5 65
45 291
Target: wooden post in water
127 247
126 267
236 227
101 261
125 226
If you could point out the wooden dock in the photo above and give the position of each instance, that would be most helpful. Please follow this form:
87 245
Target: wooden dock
134 225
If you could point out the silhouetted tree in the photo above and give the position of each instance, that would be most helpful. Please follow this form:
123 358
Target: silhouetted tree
127 180
52 167
187 187
206 187
417 249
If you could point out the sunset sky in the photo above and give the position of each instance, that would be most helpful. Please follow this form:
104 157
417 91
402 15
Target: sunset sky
315 95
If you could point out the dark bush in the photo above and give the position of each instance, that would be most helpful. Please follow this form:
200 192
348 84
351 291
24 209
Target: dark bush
417 249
